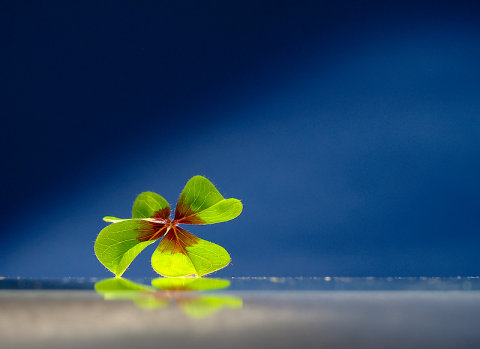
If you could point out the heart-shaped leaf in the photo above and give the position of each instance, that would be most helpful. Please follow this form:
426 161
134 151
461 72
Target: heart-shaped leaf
118 244
201 203
149 204
181 254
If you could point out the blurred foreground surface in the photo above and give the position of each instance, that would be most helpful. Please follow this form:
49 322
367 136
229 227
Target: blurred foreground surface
251 312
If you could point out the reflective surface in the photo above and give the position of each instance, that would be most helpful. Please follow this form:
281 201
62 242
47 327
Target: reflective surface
241 312
276 283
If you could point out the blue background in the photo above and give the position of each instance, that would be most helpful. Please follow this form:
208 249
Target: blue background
349 129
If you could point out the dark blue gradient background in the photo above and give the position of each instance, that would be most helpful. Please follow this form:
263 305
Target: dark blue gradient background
349 129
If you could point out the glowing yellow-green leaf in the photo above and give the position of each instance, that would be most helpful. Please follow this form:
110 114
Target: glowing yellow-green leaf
174 258
201 203
149 204
118 244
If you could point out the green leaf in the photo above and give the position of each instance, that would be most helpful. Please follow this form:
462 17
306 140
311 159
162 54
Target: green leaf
149 204
201 203
178 255
189 284
118 244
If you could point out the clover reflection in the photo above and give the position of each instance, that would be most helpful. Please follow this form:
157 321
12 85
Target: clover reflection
181 292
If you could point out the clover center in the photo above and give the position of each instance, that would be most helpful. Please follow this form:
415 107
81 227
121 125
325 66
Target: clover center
170 224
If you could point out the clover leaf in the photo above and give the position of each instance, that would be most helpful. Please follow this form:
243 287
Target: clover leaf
179 252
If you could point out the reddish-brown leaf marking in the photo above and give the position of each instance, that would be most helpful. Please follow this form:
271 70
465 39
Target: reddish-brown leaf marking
185 214
177 240
150 231
163 213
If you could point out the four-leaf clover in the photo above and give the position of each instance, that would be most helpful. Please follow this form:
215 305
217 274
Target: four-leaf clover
179 252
